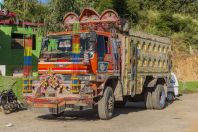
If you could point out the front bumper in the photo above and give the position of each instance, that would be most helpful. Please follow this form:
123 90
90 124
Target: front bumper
55 105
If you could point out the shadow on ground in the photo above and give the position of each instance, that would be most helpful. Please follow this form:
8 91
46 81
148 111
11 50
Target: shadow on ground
91 114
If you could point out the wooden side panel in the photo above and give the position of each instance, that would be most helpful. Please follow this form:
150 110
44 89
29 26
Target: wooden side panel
152 58
143 55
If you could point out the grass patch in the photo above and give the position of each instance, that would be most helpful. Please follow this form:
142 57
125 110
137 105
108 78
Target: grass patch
188 87
6 83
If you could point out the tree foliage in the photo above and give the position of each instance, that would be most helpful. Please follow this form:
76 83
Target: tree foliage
160 17
57 10
29 10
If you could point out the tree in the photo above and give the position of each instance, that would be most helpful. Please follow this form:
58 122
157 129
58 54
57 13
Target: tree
29 10
134 7
57 10
103 5
121 7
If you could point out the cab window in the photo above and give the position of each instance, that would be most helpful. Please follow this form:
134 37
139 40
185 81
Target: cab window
102 47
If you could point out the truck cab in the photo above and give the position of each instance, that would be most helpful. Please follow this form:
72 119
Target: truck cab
76 70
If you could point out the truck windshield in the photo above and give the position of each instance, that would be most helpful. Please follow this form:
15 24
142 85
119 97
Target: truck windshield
62 46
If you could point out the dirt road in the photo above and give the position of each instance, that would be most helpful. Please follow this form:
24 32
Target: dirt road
181 116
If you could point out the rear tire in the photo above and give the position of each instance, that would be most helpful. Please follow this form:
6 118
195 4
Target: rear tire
106 104
170 97
148 99
159 97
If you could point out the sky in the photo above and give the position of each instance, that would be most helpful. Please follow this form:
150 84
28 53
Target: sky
44 1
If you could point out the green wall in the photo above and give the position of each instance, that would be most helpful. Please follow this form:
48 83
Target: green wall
13 58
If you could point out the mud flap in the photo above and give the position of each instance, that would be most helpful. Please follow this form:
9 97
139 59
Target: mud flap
118 93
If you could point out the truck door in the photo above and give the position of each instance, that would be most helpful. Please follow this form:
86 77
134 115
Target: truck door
104 54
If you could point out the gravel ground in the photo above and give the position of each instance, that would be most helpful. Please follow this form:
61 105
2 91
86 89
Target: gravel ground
181 116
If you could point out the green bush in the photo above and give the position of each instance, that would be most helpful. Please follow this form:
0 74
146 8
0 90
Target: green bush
167 24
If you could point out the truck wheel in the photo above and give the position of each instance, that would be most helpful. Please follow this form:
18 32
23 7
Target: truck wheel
106 104
159 97
148 99
120 104
170 97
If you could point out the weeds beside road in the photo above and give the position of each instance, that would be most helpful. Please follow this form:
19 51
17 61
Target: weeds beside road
188 87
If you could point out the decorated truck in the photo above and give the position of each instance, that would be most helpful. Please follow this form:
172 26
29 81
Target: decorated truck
95 63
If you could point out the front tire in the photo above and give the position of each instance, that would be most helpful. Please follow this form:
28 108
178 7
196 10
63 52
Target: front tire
159 97
106 104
